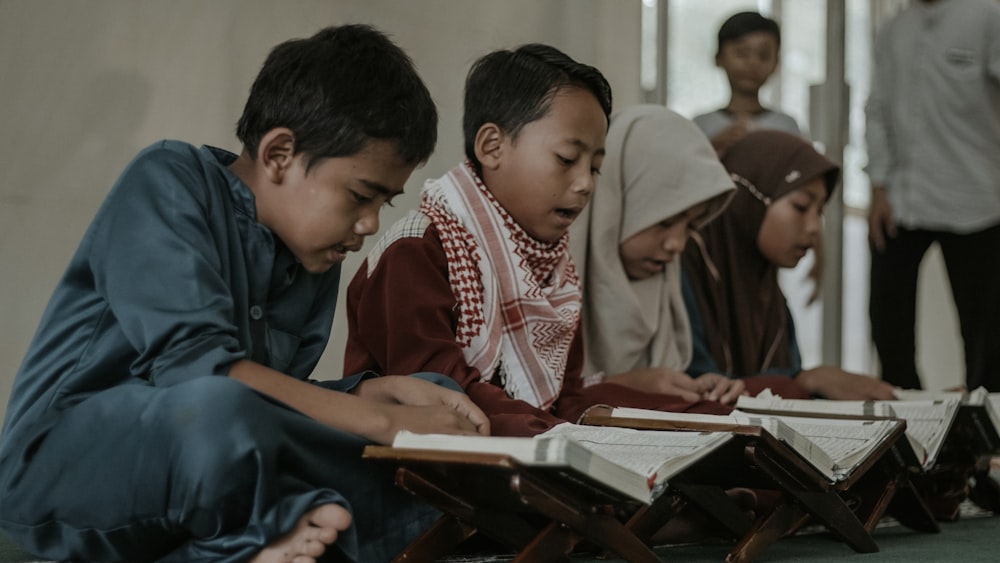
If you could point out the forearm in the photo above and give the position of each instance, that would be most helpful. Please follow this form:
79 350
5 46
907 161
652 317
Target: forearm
339 410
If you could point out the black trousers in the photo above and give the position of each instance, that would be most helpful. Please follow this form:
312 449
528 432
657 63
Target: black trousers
973 264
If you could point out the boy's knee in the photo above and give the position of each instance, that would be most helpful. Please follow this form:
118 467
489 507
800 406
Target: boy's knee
218 424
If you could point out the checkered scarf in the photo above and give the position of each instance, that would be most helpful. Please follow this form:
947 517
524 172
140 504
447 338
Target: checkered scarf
518 298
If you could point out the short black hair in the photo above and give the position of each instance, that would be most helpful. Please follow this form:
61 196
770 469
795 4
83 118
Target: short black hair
514 88
338 90
743 23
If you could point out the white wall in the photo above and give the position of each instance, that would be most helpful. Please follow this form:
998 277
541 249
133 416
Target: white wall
85 85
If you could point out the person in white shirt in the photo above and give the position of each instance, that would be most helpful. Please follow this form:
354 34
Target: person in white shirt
933 135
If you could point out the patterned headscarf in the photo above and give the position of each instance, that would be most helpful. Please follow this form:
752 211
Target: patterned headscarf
743 307
658 165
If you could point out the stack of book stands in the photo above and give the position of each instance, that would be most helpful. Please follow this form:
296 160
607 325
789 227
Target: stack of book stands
609 485
954 434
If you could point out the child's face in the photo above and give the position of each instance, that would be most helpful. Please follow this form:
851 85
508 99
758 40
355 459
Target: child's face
324 213
648 252
792 224
545 177
749 61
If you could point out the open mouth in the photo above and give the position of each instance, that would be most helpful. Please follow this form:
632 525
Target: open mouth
656 265
567 213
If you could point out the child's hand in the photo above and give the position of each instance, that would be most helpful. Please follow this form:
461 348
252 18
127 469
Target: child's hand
659 380
725 138
880 221
430 419
720 388
835 383
413 391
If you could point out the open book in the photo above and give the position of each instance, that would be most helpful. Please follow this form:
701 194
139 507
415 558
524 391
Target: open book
835 447
927 421
634 462
978 414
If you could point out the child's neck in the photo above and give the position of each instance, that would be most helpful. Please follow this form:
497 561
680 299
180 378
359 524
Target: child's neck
744 104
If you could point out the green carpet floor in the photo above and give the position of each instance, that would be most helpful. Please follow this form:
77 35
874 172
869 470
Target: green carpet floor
972 539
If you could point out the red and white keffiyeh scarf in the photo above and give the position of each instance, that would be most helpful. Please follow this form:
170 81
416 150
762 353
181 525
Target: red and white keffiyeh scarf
518 298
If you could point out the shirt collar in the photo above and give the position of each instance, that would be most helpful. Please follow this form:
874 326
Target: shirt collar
243 198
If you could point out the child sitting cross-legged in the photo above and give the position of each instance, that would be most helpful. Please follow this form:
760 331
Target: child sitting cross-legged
168 407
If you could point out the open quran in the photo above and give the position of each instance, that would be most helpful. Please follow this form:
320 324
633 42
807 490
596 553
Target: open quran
634 462
835 447
928 421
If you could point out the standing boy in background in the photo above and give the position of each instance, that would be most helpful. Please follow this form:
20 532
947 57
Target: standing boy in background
748 53
163 410
933 139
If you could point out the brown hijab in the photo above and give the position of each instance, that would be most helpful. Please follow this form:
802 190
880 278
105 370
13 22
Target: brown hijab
736 288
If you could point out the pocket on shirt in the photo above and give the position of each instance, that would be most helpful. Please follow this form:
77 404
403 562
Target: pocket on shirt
962 64
282 347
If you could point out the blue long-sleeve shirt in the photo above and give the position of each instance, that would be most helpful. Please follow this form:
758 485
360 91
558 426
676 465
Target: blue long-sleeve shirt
174 279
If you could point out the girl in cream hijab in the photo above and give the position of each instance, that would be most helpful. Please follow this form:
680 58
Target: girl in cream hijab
660 179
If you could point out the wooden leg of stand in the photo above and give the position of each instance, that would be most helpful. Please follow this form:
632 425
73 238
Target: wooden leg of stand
830 509
718 505
504 527
875 494
767 531
594 523
554 543
649 519
440 539
824 504
910 509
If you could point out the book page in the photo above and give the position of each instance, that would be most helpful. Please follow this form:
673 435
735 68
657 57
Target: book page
847 442
627 412
927 423
524 449
923 395
814 406
992 403
806 448
654 453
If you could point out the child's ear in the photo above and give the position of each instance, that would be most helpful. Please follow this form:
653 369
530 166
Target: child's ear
489 145
275 153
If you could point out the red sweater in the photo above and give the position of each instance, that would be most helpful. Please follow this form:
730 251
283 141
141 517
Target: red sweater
401 319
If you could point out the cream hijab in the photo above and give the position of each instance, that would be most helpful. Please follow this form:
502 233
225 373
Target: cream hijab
658 164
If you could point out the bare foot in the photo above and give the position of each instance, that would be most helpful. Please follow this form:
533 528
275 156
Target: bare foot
313 533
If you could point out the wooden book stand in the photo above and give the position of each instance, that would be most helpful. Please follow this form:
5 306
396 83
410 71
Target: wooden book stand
850 509
540 513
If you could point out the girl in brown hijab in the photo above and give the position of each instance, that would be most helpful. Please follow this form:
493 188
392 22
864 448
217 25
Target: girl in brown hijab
741 325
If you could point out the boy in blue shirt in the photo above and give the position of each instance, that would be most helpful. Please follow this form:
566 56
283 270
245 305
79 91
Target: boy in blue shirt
163 410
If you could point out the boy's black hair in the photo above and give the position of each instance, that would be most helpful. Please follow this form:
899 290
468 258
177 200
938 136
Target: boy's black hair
336 91
514 88
743 23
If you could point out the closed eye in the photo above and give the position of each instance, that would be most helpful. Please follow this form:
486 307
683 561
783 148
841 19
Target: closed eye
361 198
